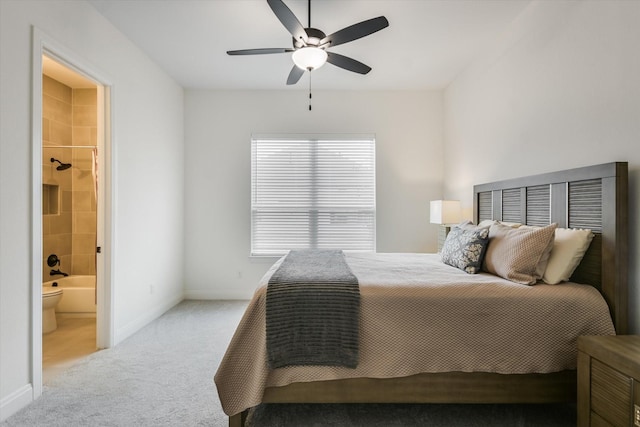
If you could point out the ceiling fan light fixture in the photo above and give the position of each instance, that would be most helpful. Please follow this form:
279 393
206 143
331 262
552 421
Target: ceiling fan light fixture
309 58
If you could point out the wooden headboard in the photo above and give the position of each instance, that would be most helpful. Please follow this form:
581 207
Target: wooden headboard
593 197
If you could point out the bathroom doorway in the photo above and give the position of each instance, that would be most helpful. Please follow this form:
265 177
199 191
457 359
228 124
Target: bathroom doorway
71 309
69 217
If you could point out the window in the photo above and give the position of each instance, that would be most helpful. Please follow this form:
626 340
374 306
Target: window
312 192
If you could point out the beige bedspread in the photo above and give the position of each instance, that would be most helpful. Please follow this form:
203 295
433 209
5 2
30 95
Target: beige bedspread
420 315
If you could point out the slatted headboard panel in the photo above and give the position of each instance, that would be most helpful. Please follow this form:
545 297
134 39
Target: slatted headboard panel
593 197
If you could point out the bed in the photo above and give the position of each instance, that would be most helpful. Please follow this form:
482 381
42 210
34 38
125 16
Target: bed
592 197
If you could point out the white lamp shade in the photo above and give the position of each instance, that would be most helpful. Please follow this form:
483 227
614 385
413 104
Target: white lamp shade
445 212
309 58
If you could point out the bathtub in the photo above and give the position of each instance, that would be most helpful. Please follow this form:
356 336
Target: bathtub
78 295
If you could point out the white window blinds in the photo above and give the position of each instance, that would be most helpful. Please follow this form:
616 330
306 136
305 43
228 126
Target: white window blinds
312 193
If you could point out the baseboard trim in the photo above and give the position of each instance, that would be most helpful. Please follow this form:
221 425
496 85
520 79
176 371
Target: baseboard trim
131 328
17 400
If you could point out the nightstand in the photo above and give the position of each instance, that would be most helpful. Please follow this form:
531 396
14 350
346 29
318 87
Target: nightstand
609 381
443 231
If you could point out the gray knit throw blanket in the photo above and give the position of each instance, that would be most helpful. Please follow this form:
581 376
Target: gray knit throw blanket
313 308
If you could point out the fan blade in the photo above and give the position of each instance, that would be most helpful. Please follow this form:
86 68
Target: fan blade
294 75
288 19
259 51
356 31
347 63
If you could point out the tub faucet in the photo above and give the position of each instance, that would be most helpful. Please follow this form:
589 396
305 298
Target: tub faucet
56 272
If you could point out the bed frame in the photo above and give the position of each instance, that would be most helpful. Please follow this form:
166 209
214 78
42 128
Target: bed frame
592 197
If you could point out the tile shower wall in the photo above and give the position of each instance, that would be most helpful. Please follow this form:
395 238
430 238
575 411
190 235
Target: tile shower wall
69 230
57 120
84 132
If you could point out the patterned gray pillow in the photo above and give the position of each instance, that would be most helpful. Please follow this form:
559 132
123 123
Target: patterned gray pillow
465 249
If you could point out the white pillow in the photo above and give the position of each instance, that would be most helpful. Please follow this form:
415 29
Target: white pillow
569 246
511 224
486 223
489 222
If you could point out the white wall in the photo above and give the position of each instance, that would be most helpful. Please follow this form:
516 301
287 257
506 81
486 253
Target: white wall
218 127
148 159
562 90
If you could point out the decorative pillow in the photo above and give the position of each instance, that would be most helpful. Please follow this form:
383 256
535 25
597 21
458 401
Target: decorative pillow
519 254
465 249
569 247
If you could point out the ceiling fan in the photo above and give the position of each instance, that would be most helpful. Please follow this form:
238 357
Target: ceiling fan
309 51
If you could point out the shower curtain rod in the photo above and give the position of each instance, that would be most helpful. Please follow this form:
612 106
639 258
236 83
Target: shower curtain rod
69 146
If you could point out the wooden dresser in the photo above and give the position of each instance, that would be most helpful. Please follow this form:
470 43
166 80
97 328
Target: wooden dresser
609 381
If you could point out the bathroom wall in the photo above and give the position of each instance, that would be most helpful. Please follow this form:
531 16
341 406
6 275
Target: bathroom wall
69 202
57 119
83 229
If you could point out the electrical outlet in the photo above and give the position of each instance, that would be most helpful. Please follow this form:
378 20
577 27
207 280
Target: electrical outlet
636 415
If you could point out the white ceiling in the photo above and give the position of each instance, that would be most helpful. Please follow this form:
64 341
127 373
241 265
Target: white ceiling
427 43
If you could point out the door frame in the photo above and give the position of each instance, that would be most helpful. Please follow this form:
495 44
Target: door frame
45 45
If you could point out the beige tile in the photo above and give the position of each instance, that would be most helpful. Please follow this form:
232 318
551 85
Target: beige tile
82 135
67 155
56 110
81 201
84 264
82 155
84 222
56 89
83 180
61 224
50 151
46 227
67 201
60 133
85 97
48 245
63 178
64 181
85 115
84 244
45 129
65 263
47 174
82 158
62 244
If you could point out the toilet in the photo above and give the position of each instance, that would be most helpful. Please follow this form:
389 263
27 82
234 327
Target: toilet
50 298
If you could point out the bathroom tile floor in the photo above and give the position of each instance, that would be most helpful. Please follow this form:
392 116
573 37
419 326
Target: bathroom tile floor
74 339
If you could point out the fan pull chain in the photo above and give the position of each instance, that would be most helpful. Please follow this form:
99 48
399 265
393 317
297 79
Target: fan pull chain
309 89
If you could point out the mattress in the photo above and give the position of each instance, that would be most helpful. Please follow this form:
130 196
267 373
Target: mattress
420 315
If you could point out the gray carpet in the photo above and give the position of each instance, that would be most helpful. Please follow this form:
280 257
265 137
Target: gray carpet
163 376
